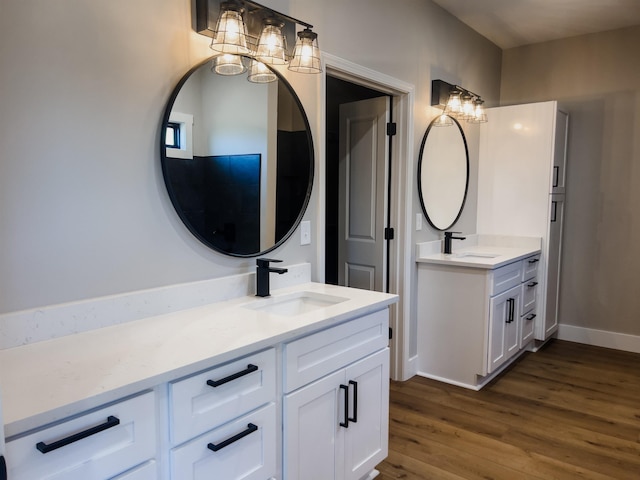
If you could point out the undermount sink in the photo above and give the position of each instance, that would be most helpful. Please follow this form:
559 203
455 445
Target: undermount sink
295 303
477 254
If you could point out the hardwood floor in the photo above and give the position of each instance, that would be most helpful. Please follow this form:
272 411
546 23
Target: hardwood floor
569 411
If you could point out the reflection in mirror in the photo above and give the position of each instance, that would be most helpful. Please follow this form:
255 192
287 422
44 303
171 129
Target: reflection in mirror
237 159
443 174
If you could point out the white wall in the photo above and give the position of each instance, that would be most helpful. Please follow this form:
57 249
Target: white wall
82 90
597 79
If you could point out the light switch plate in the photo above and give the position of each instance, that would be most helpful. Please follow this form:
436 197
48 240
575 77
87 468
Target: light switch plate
305 232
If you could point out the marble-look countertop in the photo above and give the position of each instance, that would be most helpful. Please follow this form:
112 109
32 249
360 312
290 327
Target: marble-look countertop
480 251
47 381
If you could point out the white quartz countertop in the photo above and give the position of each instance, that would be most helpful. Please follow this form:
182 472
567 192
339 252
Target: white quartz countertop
46 381
481 256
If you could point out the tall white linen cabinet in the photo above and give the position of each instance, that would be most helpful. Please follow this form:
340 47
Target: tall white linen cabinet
521 187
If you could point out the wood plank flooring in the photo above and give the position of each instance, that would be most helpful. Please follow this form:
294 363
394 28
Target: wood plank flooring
569 411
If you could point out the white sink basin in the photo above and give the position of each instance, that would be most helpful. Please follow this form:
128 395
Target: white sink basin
295 303
477 254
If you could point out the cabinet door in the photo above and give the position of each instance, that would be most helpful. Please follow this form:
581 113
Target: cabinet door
560 153
504 321
553 265
367 436
313 440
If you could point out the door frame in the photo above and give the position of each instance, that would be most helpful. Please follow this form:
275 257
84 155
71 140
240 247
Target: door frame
400 199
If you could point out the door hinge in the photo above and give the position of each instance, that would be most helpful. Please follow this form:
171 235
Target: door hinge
388 233
391 129
390 333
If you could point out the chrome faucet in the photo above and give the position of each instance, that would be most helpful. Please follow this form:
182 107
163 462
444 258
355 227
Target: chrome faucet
448 236
263 269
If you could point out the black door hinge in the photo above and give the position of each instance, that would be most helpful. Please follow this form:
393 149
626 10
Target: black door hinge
388 233
391 129
390 333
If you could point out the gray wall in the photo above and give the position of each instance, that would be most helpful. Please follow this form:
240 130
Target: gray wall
597 78
83 86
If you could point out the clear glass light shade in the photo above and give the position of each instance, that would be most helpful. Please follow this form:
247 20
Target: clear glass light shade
468 107
306 54
228 64
454 105
230 35
272 45
479 115
260 73
443 120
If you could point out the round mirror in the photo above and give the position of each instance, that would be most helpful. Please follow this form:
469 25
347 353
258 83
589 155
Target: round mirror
237 159
443 173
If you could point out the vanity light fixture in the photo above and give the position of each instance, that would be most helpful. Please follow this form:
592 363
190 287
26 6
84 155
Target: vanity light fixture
443 120
228 64
244 27
457 102
260 73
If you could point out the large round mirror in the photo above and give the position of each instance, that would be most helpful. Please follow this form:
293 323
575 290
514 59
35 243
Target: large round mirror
237 159
443 173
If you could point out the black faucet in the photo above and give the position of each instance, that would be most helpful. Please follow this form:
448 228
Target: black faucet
448 236
263 269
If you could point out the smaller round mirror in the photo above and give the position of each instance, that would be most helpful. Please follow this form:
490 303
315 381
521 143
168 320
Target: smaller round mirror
443 172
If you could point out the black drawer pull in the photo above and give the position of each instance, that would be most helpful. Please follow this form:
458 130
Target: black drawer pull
3 469
531 317
535 260
354 419
345 424
216 383
250 429
44 448
532 284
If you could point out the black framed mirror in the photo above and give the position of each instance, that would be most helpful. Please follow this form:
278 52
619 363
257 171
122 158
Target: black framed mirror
443 173
237 159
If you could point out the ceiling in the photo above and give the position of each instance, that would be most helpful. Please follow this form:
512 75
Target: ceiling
512 23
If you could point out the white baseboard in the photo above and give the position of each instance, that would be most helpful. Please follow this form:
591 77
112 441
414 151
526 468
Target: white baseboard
599 338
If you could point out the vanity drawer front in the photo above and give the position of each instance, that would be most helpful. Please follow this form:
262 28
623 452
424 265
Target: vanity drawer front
108 442
316 355
530 267
506 277
527 327
148 471
211 398
529 295
252 456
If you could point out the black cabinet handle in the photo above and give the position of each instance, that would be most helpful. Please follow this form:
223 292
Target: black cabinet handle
110 423
345 424
225 443
216 383
535 260
354 419
556 175
531 317
3 468
554 214
511 303
532 284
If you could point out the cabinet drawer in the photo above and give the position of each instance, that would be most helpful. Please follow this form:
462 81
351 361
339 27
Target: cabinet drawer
148 471
204 401
249 454
106 442
529 295
527 327
506 277
316 355
530 267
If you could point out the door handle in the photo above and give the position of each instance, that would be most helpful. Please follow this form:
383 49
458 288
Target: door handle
510 309
345 423
556 175
354 419
3 468
554 213
46 448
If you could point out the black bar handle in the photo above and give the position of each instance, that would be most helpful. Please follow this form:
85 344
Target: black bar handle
345 424
531 317
110 423
510 305
216 383
535 260
3 468
225 443
513 309
354 419
556 175
532 284
554 215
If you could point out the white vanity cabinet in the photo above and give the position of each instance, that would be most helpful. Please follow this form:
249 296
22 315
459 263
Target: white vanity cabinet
227 417
100 444
471 318
336 401
521 186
